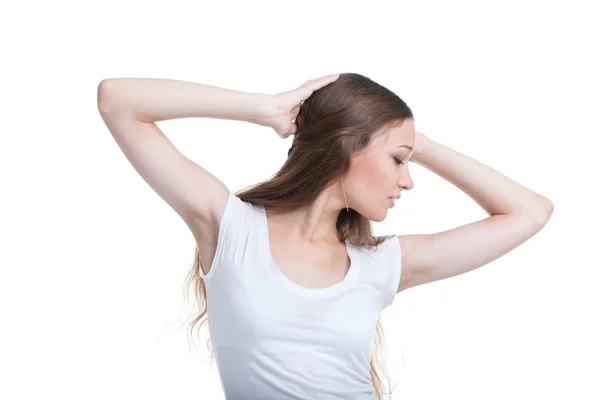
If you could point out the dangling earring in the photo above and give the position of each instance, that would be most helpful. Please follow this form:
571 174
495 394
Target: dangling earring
345 196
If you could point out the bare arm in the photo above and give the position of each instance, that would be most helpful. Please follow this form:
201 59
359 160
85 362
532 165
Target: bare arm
151 100
493 191
516 214
130 107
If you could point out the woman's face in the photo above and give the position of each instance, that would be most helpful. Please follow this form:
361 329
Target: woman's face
380 171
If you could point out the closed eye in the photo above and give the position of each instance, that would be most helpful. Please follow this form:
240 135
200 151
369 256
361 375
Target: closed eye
398 161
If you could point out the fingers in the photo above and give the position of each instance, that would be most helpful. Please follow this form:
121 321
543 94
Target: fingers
313 85
292 131
325 81
299 95
318 83
296 110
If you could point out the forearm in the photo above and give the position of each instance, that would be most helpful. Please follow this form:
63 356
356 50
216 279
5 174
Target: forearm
151 100
494 192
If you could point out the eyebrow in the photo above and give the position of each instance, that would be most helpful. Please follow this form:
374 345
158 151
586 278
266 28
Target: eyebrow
408 147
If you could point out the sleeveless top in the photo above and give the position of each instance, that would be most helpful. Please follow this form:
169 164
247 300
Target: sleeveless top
275 339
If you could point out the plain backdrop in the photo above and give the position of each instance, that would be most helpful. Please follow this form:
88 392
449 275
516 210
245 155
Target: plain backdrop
92 261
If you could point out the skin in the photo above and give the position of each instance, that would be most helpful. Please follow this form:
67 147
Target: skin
304 243
374 175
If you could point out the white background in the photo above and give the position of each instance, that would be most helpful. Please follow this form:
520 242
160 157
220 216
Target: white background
92 261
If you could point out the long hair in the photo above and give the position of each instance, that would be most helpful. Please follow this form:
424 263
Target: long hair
337 121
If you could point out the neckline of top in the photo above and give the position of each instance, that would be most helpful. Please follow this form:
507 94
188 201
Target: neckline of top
301 289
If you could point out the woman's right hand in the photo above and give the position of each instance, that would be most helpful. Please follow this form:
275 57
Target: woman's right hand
279 111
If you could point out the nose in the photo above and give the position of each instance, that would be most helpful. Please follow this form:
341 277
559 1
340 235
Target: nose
406 182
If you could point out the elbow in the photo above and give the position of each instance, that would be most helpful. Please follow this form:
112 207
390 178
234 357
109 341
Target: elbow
105 96
542 210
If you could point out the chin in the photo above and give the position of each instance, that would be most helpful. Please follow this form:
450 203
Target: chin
379 219
376 217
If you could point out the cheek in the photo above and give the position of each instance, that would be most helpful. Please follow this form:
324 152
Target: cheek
371 179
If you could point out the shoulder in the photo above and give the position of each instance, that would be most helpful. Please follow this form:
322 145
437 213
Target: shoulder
228 234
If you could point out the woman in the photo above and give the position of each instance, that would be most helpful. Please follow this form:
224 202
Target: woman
293 278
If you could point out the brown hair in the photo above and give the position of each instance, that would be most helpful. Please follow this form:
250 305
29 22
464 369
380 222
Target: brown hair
337 121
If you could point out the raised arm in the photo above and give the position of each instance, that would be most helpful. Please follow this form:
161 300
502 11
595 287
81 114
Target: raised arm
131 106
516 214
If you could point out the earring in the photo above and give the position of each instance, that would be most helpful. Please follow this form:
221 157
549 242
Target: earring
345 196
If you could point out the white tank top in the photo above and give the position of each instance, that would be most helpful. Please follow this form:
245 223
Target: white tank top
275 339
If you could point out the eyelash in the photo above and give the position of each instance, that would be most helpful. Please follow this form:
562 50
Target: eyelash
398 161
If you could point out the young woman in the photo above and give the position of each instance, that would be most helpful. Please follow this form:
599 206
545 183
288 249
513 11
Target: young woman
288 273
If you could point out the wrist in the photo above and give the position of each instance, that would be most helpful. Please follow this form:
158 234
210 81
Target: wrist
266 109
422 142
262 107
